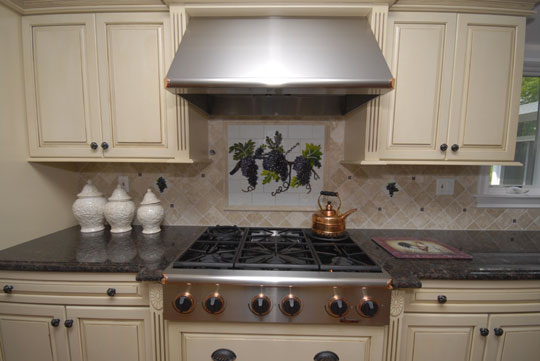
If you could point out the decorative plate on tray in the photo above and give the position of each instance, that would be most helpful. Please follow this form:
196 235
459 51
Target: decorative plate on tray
405 247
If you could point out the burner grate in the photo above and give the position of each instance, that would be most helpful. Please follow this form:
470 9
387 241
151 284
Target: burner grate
273 249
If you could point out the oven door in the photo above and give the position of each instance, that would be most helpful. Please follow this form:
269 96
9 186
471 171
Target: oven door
271 342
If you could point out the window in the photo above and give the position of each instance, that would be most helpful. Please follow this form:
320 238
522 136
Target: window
504 186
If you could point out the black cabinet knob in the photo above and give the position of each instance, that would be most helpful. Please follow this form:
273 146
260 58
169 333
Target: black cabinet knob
368 308
223 354
337 307
454 147
55 322
111 292
444 147
326 356
94 145
484 331
214 304
498 331
441 299
68 323
184 303
105 145
8 288
260 305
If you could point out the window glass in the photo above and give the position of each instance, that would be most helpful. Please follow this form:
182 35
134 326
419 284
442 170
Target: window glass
527 143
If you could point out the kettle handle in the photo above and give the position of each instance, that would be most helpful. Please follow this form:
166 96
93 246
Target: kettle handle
329 194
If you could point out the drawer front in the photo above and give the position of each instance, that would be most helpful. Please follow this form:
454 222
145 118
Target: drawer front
269 342
75 293
486 297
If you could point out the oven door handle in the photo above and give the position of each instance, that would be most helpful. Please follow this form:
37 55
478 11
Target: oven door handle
223 354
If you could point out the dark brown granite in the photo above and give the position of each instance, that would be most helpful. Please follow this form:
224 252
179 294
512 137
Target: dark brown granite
70 250
497 255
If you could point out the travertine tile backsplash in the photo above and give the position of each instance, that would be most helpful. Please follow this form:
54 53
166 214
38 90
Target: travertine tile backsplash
197 194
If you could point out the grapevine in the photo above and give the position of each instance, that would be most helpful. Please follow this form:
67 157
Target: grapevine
275 165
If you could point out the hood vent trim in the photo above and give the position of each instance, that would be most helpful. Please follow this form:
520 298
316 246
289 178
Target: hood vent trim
278 66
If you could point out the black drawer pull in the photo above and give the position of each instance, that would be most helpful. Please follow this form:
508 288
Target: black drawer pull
326 356
8 288
111 292
223 354
441 299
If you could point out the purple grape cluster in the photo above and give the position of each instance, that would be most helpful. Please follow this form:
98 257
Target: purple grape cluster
250 169
275 161
303 168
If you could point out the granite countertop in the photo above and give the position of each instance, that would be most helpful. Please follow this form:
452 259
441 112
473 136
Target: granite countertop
497 255
70 250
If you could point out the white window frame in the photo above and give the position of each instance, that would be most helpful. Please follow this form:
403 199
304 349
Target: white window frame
509 197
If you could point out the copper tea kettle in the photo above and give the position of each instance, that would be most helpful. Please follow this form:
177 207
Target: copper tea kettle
329 222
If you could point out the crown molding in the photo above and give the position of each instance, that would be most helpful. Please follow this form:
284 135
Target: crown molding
32 7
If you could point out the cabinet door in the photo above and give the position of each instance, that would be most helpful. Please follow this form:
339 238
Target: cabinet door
110 334
138 113
26 333
61 84
428 337
486 90
520 339
420 48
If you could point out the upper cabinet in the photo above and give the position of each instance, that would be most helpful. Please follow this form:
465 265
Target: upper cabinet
456 100
94 87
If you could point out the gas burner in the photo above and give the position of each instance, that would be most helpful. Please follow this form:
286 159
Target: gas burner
315 237
224 233
275 235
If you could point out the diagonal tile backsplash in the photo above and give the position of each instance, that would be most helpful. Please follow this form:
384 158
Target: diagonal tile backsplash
196 194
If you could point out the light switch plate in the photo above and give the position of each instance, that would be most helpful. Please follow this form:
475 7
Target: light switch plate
445 186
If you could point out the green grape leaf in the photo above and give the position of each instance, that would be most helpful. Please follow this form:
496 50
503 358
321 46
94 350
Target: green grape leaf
275 144
269 176
242 150
313 153
294 182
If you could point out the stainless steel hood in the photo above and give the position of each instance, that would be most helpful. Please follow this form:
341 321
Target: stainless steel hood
278 66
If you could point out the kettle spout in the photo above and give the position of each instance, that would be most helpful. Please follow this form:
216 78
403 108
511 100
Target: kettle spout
346 214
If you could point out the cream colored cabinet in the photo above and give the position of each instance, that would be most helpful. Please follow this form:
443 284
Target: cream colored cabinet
456 98
518 337
27 333
70 317
428 337
197 341
94 87
478 321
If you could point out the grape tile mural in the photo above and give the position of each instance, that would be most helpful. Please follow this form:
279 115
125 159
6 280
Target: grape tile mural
275 165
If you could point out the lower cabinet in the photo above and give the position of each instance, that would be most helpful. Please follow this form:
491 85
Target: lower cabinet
250 342
469 321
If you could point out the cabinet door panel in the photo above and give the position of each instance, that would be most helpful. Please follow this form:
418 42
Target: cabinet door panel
110 334
520 340
421 47
487 79
428 337
26 333
61 85
133 54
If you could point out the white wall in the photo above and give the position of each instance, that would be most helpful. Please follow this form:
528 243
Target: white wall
34 199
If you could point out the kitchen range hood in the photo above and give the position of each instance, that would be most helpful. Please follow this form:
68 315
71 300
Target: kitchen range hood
278 66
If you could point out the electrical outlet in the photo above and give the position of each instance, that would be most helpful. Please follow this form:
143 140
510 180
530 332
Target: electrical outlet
445 186
123 180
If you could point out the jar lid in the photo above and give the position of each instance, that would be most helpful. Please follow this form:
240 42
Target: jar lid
119 194
150 198
89 190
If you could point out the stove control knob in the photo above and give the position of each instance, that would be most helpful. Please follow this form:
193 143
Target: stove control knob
368 308
337 306
291 305
184 303
260 305
214 303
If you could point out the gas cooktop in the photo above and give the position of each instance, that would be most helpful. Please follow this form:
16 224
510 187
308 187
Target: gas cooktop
292 249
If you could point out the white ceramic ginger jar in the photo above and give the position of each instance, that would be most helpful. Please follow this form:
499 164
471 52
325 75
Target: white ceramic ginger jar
150 213
120 211
88 209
